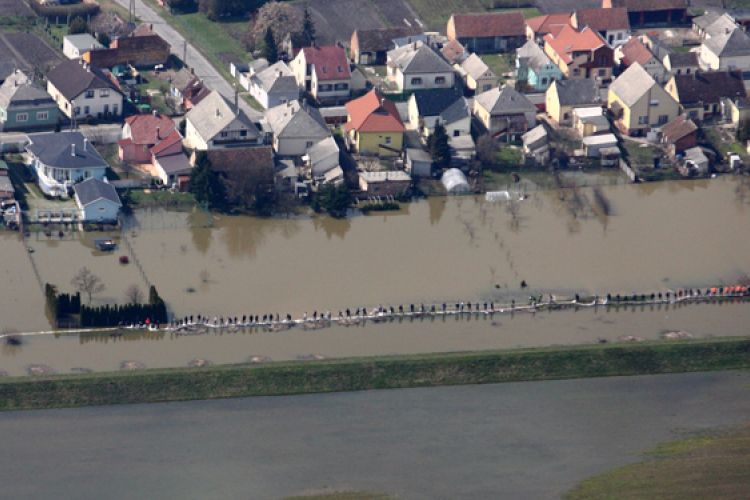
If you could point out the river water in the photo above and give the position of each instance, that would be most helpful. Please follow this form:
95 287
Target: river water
657 237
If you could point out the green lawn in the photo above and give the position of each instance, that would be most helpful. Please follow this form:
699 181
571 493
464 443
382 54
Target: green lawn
713 467
500 63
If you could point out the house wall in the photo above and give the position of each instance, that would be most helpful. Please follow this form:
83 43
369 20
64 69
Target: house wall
136 50
100 210
427 80
193 138
319 88
695 112
483 83
710 61
484 45
106 98
296 146
48 177
460 127
385 188
35 117
369 143
738 115
667 108
545 77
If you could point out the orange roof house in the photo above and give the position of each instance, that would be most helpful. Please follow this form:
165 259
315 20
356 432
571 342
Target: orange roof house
580 54
374 125
538 27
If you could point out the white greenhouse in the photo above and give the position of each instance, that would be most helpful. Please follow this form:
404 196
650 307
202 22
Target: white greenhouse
455 182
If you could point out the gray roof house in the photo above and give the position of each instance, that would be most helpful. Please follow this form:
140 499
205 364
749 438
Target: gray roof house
74 46
564 95
296 127
274 85
62 159
426 107
97 200
85 89
216 123
477 75
726 50
25 105
504 110
417 66
322 157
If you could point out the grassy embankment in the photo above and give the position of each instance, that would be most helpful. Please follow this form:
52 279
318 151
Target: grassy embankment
716 467
373 373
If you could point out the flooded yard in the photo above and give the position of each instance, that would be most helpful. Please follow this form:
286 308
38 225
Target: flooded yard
657 237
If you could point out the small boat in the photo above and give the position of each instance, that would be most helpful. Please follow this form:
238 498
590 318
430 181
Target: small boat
105 244
124 259
31 249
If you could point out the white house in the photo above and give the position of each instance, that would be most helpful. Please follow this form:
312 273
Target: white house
296 128
82 90
97 200
62 159
74 46
726 51
215 123
416 66
322 157
324 72
274 85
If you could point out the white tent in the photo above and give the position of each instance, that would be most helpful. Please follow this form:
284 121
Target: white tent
455 182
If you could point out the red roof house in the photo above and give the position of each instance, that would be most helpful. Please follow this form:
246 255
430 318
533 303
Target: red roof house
491 32
323 72
143 132
374 125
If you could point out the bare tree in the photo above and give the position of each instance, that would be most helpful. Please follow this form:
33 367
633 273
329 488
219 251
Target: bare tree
280 18
134 295
250 185
87 282
487 149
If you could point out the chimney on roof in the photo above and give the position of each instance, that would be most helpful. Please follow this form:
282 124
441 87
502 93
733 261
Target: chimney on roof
382 102
85 143
218 113
158 135
72 150
156 112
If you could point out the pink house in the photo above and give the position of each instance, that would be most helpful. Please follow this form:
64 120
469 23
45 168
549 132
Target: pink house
144 133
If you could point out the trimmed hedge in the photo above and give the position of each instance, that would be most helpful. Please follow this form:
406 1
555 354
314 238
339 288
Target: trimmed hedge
178 384
74 10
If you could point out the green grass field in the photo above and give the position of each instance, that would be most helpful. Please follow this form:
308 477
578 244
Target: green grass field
357 374
437 12
716 467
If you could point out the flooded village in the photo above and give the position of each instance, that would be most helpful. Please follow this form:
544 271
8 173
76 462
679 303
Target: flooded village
596 153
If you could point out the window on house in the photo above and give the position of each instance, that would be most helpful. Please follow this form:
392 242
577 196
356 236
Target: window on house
663 119
243 133
693 113
544 81
104 93
654 102
114 109
686 71
87 174
78 111
643 120
325 87
22 117
323 69
42 115
602 72
619 36
225 134
456 133
387 140
416 81
341 86
308 144
486 87
576 72
86 110
439 80
603 61
102 209
89 94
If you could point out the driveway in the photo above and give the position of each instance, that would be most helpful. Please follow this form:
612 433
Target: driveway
195 59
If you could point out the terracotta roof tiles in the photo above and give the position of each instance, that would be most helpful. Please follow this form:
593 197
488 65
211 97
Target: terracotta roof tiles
373 113
489 25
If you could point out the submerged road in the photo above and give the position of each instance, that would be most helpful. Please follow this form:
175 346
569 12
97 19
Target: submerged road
510 441
195 59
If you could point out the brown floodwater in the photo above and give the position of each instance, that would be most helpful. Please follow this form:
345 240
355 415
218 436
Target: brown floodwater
657 237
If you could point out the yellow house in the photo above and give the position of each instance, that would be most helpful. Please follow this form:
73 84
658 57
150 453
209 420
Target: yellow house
638 103
563 96
374 126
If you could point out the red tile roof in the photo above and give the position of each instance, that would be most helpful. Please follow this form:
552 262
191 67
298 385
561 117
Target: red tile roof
373 113
330 62
489 25
173 138
569 40
602 19
634 51
550 23
143 128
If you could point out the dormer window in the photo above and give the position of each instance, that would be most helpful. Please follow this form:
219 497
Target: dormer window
340 70
323 69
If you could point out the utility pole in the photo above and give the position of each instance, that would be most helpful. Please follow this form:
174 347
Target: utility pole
184 53
131 11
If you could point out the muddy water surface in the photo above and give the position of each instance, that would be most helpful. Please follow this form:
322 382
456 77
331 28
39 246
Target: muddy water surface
658 237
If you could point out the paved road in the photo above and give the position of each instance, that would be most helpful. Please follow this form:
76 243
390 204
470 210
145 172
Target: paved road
195 59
